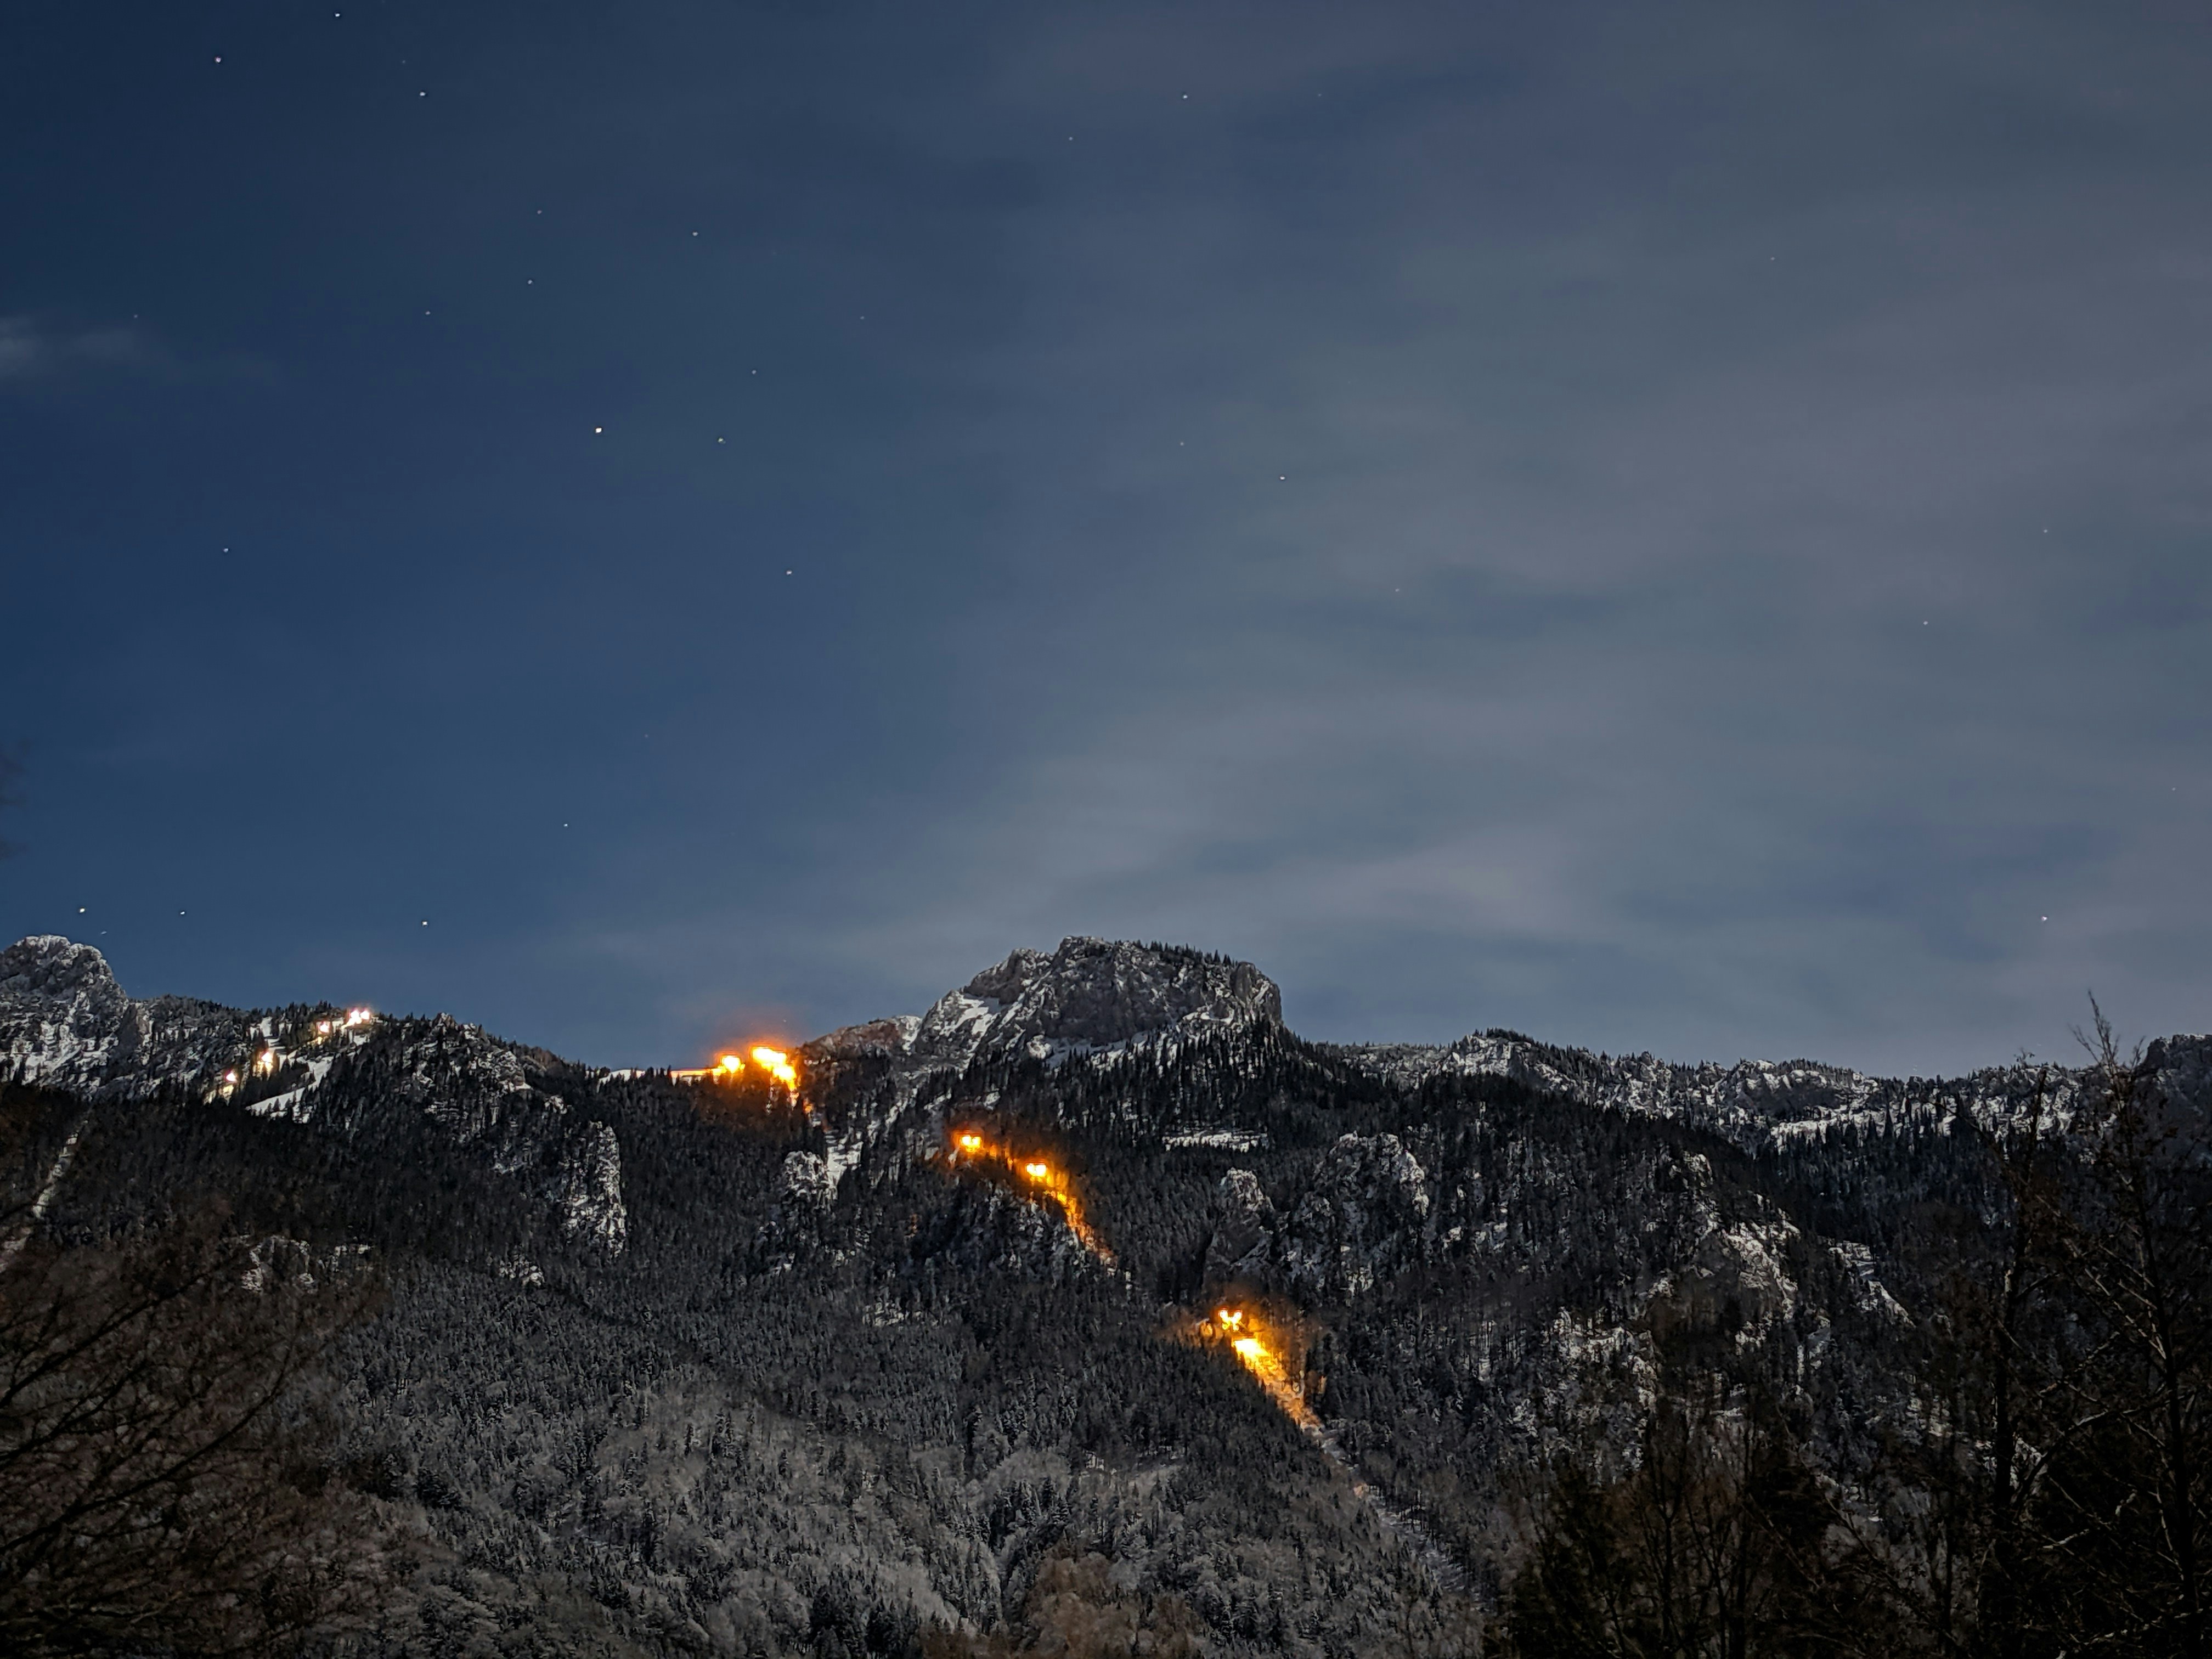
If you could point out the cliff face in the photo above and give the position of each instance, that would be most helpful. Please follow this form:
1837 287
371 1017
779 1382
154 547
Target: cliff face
1093 995
65 1024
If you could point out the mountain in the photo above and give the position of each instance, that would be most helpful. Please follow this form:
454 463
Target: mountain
1092 1287
65 1024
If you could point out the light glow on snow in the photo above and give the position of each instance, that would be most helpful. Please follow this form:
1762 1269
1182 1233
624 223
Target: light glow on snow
1245 1334
729 1067
1054 1184
777 1064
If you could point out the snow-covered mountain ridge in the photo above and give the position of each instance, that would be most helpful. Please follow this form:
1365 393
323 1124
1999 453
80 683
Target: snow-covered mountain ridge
1090 996
976 1262
1096 1000
66 1023
1763 1106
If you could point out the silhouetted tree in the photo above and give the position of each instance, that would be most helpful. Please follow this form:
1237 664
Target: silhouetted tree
2124 1514
1719 1545
162 1485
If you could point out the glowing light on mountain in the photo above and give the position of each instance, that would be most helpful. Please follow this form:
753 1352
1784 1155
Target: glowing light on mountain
731 1067
265 1061
1244 1335
1053 1184
776 1063
359 1015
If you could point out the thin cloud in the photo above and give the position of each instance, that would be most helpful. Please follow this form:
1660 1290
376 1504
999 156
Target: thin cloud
34 348
1661 618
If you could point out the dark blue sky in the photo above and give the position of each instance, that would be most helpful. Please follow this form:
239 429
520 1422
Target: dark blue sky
1679 527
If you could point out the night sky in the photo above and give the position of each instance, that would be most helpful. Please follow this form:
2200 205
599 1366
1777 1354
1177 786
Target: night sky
1664 526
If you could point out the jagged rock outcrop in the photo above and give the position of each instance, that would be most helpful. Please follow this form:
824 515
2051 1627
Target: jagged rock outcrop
65 1024
65 1021
1243 1242
884 1083
1093 995
876 1039
1364 1215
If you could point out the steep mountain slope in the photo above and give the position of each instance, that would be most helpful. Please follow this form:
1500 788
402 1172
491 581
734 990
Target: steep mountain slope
1095 1257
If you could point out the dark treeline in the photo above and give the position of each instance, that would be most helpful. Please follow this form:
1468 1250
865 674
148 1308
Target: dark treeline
2045 1493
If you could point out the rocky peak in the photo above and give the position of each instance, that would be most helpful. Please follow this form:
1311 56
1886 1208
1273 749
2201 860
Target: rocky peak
1091 994
63 1020
51 967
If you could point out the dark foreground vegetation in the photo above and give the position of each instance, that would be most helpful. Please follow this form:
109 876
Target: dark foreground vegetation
2049 1494
166 1482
